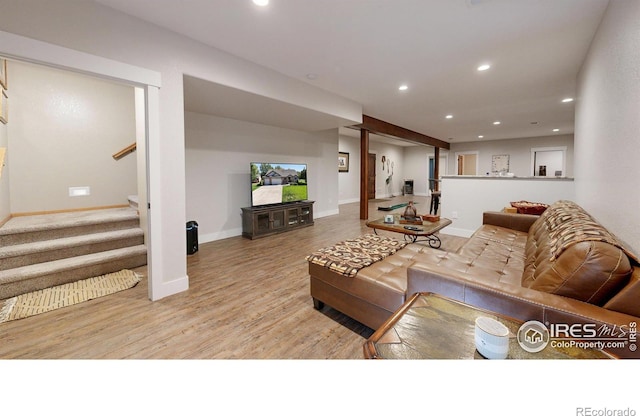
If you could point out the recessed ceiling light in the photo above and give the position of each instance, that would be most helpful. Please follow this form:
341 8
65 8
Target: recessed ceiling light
567 100
449 116
496 122
403 87
481 137
484 67
556 129
261 2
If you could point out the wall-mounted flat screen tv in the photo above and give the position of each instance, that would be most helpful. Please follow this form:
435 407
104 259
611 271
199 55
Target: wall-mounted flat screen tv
277 183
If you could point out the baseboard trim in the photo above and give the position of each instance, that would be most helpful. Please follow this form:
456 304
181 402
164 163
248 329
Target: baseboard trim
4 221
60 211
207 238
348 201
170 288
458 232
328 213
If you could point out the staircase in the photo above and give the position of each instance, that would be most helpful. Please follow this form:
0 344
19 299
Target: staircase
41 251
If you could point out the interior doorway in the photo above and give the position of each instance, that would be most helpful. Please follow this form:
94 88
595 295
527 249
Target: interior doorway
549 161
442 168
467 163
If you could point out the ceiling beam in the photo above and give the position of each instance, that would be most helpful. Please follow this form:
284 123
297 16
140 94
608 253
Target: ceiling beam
383 128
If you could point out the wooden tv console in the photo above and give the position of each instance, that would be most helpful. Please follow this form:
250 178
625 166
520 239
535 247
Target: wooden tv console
278 218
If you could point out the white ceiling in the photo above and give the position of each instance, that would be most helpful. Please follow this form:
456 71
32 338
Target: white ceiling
206 97
364 49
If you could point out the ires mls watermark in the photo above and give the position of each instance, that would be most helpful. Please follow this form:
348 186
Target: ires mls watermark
590 411
534 336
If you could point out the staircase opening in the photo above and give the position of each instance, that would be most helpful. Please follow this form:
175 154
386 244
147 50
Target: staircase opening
65 129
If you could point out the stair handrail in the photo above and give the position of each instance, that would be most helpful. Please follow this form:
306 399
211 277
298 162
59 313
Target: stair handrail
122 153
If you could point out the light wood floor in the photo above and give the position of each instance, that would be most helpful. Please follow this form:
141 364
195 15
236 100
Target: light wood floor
247 300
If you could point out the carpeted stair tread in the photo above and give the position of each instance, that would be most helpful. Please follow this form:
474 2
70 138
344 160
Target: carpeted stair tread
24 229
41 251
40 269
66 219
14 282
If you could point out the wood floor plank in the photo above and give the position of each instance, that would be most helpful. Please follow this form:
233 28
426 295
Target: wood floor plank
247 299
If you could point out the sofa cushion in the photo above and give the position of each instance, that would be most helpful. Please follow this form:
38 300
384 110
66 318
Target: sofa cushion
590 271
384 282
497 252
486 268
627 299
503 236
561 259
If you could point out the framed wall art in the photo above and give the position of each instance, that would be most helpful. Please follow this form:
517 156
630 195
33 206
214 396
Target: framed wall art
499 164
343 162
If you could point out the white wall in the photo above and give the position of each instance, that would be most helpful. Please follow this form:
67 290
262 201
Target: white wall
97 30
349 182
413 162
608 124
218 153
519 151
63 132
464 199
141 160
416 167
394 155
5 208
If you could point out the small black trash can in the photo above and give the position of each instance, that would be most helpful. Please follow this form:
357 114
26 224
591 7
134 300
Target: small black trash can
192 237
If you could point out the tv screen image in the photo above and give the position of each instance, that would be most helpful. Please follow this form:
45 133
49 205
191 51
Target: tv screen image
276 183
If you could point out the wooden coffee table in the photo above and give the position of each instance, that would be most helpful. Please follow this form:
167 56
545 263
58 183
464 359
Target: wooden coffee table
433 326
426 230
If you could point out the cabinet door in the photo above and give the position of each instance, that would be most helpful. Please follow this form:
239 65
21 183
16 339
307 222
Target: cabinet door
277 219
305 214
261 222
293 215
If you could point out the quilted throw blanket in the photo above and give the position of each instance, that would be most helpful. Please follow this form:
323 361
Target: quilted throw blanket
569 224
347 257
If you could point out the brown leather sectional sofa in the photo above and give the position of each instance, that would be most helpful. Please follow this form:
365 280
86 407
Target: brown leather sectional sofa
560 267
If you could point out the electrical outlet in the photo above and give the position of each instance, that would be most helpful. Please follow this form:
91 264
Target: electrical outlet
454 215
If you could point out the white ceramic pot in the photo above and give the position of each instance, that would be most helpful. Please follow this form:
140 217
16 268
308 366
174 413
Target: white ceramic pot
492 338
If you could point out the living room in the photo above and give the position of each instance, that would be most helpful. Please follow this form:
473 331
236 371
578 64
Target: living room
604 170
